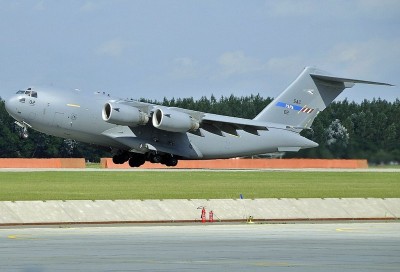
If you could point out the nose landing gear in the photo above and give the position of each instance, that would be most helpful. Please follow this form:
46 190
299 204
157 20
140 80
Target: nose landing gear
22 129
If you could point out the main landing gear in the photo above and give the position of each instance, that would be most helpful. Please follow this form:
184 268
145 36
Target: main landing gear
137 159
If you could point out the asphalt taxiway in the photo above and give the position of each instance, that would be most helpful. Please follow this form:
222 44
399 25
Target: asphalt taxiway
204 247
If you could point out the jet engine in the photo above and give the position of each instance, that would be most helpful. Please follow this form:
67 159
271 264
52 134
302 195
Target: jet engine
124 115
174 121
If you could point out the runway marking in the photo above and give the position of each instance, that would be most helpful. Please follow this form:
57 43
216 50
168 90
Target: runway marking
350 230
274 264
21 237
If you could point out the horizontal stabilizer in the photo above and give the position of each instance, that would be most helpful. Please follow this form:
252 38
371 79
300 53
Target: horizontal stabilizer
346 80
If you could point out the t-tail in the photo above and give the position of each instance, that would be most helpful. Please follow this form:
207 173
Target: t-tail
311 92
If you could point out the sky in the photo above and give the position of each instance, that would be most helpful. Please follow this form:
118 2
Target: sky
166 48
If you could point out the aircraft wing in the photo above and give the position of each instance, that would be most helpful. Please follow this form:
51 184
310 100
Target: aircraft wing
219 123
212 123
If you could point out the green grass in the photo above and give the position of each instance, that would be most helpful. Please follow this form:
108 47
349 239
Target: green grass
93 165
385 166
191 185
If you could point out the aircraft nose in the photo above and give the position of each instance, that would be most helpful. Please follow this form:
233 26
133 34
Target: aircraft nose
10 105
7 104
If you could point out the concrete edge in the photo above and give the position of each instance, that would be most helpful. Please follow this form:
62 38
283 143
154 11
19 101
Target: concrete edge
25 213
258 221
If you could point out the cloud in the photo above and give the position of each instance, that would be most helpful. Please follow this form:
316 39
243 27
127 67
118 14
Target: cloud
365 58
291 63
237 63
113 48
184 68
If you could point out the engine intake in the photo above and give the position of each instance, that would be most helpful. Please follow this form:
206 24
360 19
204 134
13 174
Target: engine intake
124 115
174 121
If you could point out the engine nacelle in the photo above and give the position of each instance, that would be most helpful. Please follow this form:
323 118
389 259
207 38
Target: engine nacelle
174 121
124 115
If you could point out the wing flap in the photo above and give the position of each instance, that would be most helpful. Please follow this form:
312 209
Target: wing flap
218 123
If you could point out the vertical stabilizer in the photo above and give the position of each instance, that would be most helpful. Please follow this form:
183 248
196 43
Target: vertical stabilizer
311 92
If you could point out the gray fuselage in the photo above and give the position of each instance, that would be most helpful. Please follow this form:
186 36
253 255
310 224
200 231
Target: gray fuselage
77 115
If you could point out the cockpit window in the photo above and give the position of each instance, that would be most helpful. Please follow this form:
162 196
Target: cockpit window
29 93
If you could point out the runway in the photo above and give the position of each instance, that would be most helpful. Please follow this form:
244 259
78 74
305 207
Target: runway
241 247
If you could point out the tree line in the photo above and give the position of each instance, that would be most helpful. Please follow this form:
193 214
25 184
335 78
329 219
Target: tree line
367 130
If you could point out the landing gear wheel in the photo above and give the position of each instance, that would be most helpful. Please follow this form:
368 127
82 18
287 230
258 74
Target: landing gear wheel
117 159
171 161
24 133
136 160
156 158
120 158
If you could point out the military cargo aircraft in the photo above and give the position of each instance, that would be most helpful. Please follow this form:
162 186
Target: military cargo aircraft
137 132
